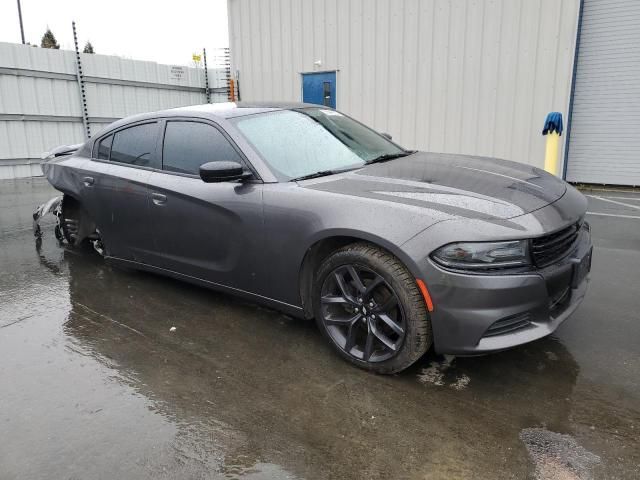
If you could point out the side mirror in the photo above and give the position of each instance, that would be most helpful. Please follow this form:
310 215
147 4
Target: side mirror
386 135
222 172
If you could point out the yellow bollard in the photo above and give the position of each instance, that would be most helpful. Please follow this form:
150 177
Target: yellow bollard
552 129
551 153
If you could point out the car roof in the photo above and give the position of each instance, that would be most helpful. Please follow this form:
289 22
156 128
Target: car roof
238 109
214 111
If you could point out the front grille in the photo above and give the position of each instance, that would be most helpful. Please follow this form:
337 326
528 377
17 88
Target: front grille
509 324
546 250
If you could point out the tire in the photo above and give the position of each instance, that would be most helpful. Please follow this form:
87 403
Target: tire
383 281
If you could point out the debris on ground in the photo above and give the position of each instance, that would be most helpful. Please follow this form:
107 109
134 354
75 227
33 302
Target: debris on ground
53 206
441 373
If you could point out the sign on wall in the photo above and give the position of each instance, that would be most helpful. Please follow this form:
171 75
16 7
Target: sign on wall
177 73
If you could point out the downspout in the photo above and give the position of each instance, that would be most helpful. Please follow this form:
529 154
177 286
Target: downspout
572 92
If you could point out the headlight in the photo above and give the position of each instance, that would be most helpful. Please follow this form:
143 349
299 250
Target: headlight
483 255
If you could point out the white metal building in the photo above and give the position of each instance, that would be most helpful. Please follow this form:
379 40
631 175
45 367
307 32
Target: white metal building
463 76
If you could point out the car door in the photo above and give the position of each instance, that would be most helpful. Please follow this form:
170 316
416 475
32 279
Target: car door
126 229
92 183
210 231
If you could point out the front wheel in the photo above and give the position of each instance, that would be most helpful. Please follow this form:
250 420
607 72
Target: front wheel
369 306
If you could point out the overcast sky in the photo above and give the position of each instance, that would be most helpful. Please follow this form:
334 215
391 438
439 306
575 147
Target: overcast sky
163 31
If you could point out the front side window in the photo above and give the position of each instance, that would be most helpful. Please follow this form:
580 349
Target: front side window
187 145
295 143
136 145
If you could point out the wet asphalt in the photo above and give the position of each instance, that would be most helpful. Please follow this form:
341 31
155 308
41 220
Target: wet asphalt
95 385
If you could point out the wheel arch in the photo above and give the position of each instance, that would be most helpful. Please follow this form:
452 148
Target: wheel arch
322 247
75 209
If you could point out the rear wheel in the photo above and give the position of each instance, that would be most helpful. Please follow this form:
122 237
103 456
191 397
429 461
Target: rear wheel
369 307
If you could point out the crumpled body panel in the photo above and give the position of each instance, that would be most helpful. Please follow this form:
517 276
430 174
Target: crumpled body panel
53 206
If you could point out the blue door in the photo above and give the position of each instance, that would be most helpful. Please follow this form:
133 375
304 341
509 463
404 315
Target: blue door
319 88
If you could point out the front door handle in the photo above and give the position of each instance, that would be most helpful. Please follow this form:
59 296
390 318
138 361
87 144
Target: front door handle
88 181
158 198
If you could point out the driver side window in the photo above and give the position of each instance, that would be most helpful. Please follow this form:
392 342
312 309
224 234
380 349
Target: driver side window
187 145
136 145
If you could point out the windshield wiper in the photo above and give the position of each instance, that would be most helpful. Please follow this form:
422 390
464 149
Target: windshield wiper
389 156
321 173
381 158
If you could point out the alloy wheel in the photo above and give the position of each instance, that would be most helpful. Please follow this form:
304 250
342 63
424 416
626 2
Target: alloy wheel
362 313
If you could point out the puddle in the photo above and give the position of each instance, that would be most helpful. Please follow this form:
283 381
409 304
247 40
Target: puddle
557 456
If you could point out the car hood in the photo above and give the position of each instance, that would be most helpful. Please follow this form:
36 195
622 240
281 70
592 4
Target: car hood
455 185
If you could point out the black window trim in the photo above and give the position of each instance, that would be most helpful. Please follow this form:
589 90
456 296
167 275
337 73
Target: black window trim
244 160
96 145
95 151
94 148
162 125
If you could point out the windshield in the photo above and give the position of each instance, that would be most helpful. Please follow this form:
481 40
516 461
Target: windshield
296 143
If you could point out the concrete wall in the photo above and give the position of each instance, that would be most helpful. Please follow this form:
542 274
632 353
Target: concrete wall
40 106
462 76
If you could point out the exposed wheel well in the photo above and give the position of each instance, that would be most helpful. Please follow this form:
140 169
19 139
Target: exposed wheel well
77 224
312 260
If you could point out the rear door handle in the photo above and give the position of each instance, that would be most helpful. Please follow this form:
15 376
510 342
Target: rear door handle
158 198
88 181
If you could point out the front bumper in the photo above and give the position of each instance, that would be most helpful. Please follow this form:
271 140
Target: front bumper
478 314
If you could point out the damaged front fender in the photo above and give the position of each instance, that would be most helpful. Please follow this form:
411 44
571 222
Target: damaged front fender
73 223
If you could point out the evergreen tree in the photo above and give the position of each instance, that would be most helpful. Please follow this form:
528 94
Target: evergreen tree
48 40
88 48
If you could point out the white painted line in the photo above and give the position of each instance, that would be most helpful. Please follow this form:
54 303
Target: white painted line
636 207
608 190
613 215
633 199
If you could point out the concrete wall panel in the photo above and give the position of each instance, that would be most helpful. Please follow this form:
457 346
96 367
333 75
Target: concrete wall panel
41 84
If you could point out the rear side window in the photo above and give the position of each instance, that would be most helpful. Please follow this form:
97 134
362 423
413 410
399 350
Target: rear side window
187 145
136 145
104 148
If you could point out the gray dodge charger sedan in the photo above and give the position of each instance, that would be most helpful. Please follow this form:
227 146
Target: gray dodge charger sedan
308 211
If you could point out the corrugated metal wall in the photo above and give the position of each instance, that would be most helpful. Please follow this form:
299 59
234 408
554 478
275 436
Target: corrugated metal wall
604 144
40 104
463 76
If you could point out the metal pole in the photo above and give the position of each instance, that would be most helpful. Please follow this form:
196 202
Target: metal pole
207 92
21 26
238 84
83 93
227 69
572 92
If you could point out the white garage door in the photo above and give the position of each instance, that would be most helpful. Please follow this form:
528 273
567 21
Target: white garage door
604 145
